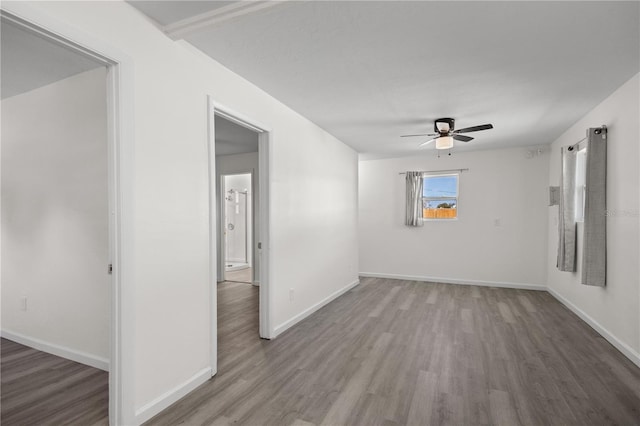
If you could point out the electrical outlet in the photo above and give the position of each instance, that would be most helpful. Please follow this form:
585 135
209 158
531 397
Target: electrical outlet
291 294
23 303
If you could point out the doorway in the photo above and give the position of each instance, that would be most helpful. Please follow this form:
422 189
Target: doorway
92 211
237 217
55 219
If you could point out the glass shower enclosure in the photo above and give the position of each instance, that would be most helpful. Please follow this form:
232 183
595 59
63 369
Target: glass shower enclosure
237 221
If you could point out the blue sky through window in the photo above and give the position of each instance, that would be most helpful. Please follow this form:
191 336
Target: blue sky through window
440 186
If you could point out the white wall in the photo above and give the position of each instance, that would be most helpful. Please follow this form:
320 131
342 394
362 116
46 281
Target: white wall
615 309
313 189
55 215
240 163
501 185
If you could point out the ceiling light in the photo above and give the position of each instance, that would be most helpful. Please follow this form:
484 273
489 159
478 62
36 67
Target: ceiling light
444 142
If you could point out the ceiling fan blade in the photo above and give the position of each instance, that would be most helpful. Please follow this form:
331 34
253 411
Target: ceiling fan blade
474 128
462 138
426 143
421 134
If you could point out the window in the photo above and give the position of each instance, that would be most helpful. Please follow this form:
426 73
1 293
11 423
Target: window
440 197
581 183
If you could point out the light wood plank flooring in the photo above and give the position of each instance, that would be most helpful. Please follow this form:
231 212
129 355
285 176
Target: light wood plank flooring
42 389
399 352
242 275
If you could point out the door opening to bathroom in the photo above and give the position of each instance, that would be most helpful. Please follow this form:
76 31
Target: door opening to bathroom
239 234
237 239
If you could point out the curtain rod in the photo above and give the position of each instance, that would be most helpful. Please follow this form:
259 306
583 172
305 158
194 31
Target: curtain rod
438 171
577 144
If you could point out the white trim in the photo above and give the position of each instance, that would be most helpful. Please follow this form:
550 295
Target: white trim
244 265
501 284
617 343
162 402
221 248
264 238
239 119
58 350
203 21
264 156
304 314
213 232
122 196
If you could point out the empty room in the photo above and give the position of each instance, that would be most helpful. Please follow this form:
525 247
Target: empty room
320 213
55 231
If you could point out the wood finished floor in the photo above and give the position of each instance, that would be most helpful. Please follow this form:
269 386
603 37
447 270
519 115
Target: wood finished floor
399 352
42 389
242 275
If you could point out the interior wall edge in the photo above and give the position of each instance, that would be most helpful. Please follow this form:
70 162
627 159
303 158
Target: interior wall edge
310 310
457 281
162 402
57 350
625 349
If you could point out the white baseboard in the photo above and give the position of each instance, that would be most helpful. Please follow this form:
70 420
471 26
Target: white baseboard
58 350
154 407
625 349
302 315
521 286
617 343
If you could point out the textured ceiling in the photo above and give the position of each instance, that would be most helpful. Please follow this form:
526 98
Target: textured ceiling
234 139
370 71
29 61
166 12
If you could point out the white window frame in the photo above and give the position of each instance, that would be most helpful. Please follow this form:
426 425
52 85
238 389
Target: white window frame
456 198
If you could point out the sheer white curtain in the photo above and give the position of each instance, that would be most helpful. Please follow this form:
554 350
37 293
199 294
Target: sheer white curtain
594 241
567 213
414 182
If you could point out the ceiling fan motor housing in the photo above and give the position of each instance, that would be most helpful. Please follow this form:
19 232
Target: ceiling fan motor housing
444 125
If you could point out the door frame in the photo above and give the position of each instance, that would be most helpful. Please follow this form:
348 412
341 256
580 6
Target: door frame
221 259
264 160
120 129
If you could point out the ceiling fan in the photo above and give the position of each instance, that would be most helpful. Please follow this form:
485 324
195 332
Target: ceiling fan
445 133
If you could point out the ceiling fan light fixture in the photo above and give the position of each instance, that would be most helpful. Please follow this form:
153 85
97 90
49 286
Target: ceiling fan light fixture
444 142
